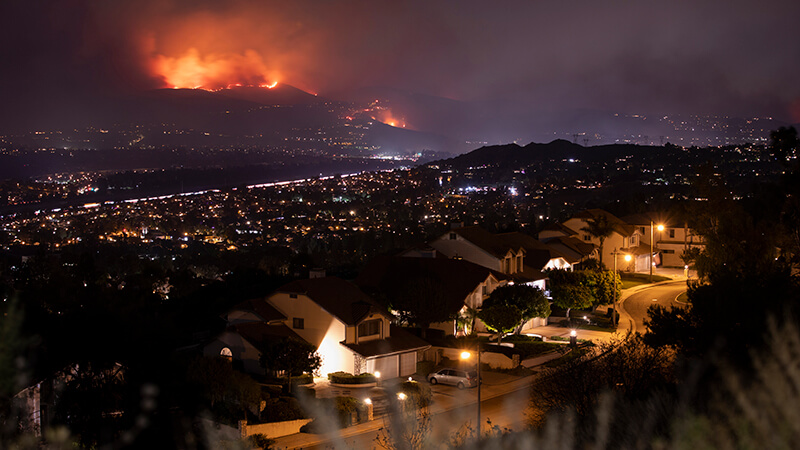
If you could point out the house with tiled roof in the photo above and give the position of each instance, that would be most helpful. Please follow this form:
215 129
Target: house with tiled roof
352 332
507 253
462 285
669 243
624 236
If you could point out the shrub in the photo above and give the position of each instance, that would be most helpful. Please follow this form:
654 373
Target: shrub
419 392
261 441
347 378
280 409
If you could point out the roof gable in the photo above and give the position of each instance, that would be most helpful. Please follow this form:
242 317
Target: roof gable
340 298
459 278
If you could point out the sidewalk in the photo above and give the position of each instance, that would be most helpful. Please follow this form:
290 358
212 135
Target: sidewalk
494 385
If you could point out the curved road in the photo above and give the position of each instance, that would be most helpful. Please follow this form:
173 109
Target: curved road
664 294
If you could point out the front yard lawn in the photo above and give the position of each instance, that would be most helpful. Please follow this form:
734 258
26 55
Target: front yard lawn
630 280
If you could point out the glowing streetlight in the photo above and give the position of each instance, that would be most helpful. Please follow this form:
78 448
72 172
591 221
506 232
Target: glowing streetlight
378 377
660 228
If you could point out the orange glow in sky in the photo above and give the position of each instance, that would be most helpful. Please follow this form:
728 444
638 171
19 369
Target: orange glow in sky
214 71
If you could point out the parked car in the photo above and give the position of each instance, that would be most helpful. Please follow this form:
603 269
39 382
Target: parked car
454 377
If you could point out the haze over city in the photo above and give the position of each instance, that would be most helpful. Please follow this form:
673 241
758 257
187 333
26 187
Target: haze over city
425 224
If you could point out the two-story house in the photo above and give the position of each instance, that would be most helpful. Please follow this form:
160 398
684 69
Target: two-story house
462 285
506 253
669 243
623 237
352 333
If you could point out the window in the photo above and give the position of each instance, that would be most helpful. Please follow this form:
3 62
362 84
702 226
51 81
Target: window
453 236
586 237
671 233
641 230
298 323
668 252
484 290
370 328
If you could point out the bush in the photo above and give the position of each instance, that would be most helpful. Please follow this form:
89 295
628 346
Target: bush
347 378
260 440
420 393
280 409
425 367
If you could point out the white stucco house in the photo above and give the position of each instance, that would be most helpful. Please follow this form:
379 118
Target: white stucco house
352 333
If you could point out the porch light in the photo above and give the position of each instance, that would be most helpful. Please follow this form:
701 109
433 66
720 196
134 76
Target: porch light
465 355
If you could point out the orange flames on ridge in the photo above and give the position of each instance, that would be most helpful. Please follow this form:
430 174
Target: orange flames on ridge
214 71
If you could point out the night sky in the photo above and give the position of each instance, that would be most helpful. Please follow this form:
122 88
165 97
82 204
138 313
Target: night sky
704 57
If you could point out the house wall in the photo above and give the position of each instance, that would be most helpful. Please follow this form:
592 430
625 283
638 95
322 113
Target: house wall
615 241
673 241
320 329
557 263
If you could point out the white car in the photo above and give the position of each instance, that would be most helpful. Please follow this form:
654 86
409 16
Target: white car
454 377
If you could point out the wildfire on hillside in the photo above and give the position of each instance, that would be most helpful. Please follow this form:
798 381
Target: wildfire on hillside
214 71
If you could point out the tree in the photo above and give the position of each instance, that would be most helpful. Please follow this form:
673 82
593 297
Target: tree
571 289
605 285
599 227
783 143
501 319
529 300
421 301
291 355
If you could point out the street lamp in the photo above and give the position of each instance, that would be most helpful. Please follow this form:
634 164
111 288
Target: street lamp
466 355
660 228
627 259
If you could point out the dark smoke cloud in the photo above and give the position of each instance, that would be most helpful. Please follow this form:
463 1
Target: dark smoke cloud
702 56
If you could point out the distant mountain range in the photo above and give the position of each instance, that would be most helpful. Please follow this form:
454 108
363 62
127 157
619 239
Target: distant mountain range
515 156
374 120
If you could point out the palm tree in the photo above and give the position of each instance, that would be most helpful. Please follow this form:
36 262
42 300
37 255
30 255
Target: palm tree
599 227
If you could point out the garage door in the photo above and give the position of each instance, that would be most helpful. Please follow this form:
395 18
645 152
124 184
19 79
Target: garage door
387 366
408 364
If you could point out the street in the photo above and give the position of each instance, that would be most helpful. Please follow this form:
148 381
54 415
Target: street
505 411
637 303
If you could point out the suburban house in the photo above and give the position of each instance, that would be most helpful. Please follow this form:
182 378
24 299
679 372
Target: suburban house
460 285
630 235
670 243
624 237
575 250
352 333
517 255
